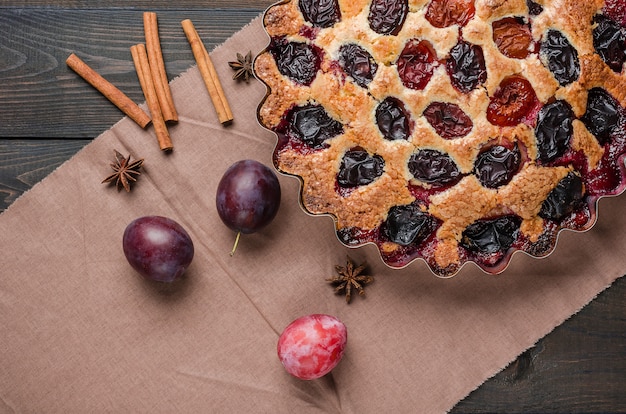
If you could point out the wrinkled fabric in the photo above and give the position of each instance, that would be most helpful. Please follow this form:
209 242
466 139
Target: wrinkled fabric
82 332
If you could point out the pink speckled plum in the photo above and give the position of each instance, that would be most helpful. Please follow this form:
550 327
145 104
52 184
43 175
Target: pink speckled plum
311 346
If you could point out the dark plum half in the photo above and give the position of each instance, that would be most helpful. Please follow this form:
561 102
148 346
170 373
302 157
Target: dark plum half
408 224
358 168
296 60
321 13
386 17
561 56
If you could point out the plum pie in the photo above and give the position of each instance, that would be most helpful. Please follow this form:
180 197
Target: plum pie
451 131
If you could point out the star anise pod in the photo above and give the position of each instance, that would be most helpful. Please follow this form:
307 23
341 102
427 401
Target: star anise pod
125 171
350 277
243 67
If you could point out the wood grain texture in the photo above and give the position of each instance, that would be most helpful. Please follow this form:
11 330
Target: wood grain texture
41 97
24 163
578 368
48 114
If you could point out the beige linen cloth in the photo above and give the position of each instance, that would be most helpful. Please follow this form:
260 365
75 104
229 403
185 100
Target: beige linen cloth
81 332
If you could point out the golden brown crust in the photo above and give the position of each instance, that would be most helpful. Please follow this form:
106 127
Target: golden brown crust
350 8
461 205
447 253
584 141
529 188
283 19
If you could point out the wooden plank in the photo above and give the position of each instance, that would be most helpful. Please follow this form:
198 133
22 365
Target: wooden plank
41 97
579 367
23 163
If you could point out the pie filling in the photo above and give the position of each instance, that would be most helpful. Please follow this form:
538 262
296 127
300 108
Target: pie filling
449 130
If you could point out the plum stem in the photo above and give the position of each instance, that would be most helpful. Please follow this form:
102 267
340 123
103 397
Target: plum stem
232 252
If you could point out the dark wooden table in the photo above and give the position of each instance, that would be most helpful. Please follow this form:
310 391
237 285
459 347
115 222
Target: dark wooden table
47 114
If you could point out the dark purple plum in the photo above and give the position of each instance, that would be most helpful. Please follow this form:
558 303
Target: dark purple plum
393 120
358 63
448 119
466 66
534 9
609 40
158 248
434 167
248 197
408 224
312 125
602 116
491 236
566 197
321 13
386 17
358 167
554 130
297 60
561 56
497 165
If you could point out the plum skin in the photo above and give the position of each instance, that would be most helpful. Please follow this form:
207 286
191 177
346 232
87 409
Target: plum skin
248 196
158 248
312 346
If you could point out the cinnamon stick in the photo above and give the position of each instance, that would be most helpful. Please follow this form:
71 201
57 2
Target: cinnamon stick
209 75
157 67
110 91
140 58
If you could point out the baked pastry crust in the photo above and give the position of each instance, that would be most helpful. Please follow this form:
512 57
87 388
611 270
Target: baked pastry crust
362 212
